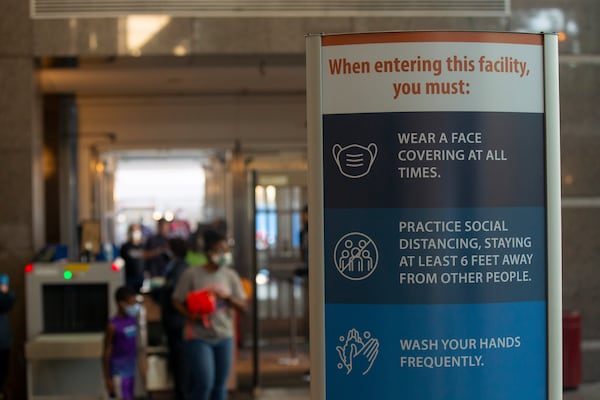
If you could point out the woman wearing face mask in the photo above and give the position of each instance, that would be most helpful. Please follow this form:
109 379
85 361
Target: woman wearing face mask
208 338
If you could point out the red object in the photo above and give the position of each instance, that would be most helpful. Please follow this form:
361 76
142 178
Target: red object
571 349
29 268
201 302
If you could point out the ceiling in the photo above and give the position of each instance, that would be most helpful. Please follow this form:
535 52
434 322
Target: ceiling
177 75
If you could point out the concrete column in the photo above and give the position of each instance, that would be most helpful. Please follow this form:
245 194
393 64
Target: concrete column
61 194
21 202
242 214
21 184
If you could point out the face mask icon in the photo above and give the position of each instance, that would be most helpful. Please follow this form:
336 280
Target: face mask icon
354 160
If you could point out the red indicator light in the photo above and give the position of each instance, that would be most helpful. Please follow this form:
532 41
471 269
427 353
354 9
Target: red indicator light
29 268
115 267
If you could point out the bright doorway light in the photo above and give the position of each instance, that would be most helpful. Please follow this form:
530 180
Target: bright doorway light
150 188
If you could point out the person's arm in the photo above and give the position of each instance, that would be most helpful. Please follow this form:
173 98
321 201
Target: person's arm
123 251
240 305
182 288
107 352
153 248
181 308
236 297
152 253
237 303
180 267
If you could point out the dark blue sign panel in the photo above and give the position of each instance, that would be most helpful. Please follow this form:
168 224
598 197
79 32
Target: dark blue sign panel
433 159
434 238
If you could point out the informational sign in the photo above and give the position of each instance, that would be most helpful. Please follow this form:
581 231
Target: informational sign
433 207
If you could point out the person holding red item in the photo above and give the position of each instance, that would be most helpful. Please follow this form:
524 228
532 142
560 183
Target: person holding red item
208 337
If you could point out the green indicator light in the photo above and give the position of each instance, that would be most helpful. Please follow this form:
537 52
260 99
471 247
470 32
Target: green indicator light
67 274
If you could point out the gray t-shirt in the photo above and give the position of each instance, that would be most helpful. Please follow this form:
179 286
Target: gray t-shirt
220 324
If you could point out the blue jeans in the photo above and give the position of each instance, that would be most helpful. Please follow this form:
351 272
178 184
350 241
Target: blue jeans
207 368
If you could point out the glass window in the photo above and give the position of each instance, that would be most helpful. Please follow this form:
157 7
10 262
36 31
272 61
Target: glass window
278 222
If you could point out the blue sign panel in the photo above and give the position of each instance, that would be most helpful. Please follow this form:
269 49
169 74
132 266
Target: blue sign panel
434 236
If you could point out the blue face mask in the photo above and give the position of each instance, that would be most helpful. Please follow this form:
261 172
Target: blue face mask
132 310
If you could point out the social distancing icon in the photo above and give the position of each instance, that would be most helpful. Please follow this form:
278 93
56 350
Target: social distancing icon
356 256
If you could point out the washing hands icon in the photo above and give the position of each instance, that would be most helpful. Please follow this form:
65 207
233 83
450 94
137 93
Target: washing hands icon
358 353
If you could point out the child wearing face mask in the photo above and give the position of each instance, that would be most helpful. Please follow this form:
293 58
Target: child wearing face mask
121 352
208 338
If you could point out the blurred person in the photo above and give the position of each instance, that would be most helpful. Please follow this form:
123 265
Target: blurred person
304 242
173 321
155 250
180 226
7 300
208 338
122 347
132 253
302 272
195 255
146 230
219 225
